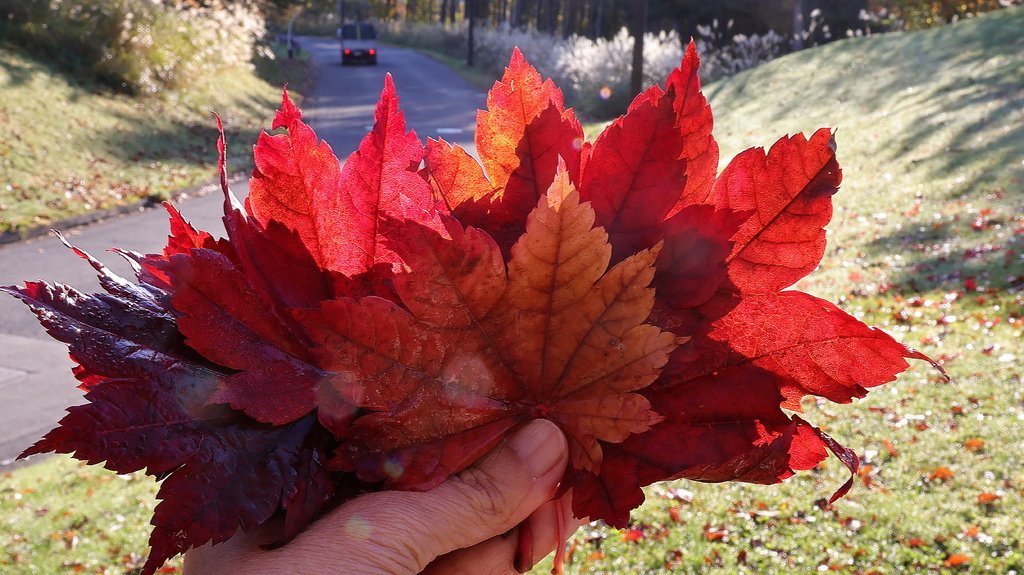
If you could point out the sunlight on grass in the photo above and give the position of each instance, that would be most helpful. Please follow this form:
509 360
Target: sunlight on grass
926 242
929 138
72 147
62 516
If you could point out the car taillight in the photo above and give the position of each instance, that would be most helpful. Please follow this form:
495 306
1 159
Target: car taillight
347 51
372 51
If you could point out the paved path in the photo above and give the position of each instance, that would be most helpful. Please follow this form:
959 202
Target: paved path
35 381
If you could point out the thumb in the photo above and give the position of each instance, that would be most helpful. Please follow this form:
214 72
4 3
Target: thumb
497 493
403 531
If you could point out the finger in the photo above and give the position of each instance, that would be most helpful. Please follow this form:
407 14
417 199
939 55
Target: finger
500 491
492 557
403 531
549 527
242 553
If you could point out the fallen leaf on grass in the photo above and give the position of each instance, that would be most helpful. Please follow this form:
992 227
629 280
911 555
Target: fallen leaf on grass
916 542
714 533
381 325
956 560
632 535
988 498
974 444
890 448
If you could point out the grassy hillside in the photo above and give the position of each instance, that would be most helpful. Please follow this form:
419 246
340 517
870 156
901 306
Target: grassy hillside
71 146
930 133
926 241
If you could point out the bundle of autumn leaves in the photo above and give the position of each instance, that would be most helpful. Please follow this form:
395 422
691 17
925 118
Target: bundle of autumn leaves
384 324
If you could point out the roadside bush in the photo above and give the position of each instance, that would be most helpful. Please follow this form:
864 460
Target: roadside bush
449 40
134 46
920 14
229 32
312 23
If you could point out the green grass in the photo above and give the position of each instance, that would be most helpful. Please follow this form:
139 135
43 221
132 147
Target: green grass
913 221
62 516
931 141
71 146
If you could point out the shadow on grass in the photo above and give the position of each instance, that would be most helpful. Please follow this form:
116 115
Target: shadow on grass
957 83
191 138
22 66
972 78
195 140
179 142
18 72
975 71
940 114
931 261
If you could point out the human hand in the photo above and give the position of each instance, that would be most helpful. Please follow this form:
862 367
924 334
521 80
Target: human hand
465 525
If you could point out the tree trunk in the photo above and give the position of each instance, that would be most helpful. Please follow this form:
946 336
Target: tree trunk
444 12
639 29
798 24
470 9
571 18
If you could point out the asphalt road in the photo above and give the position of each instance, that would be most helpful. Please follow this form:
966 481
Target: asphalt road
35 381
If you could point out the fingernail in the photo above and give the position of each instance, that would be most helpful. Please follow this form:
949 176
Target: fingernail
539 446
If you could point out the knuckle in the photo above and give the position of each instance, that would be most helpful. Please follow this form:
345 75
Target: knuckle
484 493
399 551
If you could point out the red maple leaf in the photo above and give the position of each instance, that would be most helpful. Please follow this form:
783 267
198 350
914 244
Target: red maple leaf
382 325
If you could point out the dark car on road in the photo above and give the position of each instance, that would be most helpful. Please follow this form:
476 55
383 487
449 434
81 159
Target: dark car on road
358 43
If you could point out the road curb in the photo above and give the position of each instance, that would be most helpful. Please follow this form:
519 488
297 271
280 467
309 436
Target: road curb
100 215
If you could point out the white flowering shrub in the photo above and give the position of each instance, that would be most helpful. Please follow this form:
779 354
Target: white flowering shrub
542 50
724 53
137 46
742 53
595 74
227 32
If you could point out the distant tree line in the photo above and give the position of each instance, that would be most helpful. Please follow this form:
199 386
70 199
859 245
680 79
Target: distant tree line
603 18
596 18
